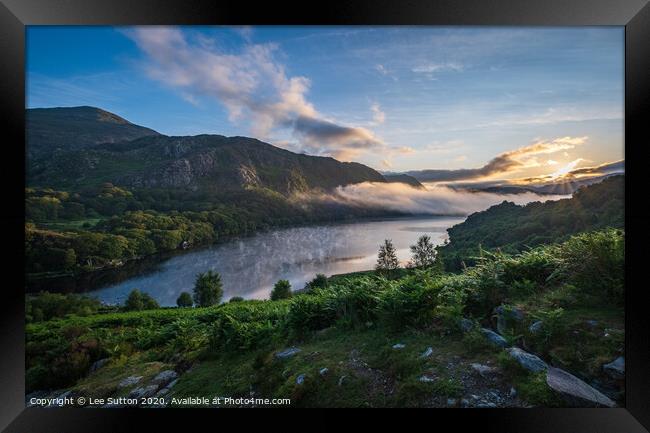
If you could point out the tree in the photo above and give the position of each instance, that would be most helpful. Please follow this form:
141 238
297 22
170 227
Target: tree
184 300
207 289
387 261
281 290
138 301
319 282
134 301
423 253
236 299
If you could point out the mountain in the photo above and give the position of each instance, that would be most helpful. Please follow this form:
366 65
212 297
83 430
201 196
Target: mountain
85 146
403 178
73 128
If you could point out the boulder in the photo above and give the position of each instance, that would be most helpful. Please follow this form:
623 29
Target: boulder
576 392
287 353
323 371
506 316
527 360
427 353
426 379
616 368
143 391
494 338
300 379
129 381
535 327
399 346
466 325
164 377
99 364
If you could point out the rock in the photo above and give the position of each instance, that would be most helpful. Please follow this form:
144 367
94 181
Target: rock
164 377
287 353
506 315
166 389
323 371
486 405
592 323
494 338
466 325
483 370
342 380
535 327
399 346
616 368
143 391
464 402
99 364
426 379
300 379
513 392
452 402
575 391
131 380
427 353
527 360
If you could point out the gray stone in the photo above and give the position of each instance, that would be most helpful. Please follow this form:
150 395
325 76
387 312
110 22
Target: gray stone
399 346
143 391
464 402
575 391
616 368
129 381
99 364
466 325
535 327
494 338
592 323
300 379
527 360
323 371
483 370
507 315
342 380
427 353
452 402
426 379
287 353
513 392
164 377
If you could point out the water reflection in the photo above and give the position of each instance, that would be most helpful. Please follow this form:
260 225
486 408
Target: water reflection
250 266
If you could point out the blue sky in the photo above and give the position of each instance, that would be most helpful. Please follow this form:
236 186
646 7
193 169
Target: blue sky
524 101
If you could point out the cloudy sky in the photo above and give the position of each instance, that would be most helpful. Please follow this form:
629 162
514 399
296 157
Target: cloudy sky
446 103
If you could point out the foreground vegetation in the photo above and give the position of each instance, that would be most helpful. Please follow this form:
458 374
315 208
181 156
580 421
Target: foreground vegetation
364 339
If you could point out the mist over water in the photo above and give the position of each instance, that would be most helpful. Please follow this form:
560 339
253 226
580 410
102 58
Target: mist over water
433 199
250 266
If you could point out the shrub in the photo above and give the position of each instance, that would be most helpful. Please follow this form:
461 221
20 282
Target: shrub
236 299
281 290
184 300
46 306
208 289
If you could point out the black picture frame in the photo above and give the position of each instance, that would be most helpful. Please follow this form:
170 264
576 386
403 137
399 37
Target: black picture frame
633 14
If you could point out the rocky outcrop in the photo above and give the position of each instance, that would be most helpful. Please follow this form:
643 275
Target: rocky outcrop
527 360
287 353
574 391
507 317
494 338
616 368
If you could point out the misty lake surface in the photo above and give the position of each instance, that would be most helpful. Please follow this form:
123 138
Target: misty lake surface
250 266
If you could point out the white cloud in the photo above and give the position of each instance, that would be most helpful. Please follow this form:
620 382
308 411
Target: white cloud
252 85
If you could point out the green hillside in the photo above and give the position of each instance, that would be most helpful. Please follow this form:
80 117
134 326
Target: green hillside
513 228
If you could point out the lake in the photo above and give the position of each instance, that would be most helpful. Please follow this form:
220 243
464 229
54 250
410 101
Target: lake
250 266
